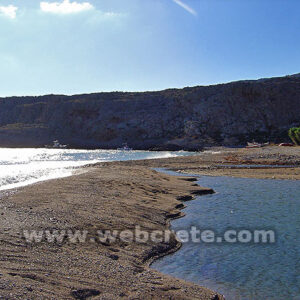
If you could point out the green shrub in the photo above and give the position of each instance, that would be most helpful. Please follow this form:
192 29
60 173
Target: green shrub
294 134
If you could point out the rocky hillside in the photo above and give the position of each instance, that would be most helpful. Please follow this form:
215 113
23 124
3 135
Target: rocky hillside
189 118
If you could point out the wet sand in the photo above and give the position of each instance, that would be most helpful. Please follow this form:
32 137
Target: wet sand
118 196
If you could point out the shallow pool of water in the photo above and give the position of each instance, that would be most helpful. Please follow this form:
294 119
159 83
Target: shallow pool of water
242 271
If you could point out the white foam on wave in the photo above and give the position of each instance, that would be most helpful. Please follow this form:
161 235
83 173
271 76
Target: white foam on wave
20 167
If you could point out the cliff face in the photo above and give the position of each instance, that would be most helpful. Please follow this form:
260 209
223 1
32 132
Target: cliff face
189 118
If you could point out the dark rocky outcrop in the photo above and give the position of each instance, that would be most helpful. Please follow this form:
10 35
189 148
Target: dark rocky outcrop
203 191
185 198
84 293
189 118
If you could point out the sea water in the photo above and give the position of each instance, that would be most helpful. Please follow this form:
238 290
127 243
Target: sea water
242 271
19 167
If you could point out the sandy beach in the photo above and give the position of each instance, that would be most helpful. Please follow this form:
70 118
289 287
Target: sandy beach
105 197
115 196
271 162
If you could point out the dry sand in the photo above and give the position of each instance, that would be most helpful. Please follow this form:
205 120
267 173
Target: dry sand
111 196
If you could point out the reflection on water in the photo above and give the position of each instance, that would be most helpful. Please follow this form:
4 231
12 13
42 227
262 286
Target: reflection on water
19 167
239 271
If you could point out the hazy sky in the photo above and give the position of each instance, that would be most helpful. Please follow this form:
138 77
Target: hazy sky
84 46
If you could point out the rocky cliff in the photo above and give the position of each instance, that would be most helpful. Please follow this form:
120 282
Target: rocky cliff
189 118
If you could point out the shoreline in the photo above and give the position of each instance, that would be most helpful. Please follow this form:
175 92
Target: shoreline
109 195
129 195
217 162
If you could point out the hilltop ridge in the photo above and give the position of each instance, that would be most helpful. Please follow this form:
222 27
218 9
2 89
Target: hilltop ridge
189 118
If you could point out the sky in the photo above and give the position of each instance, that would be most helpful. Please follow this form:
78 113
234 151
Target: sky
85 46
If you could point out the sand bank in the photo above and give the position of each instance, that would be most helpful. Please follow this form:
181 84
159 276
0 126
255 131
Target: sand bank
108 196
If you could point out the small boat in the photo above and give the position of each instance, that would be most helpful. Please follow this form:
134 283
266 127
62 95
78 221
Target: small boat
125 147
56 145
286 145
253 145
256 145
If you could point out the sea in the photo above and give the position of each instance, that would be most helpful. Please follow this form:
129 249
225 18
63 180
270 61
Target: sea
20 167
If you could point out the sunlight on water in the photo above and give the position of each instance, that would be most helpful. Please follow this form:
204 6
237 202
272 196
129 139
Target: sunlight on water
19 167
242 271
